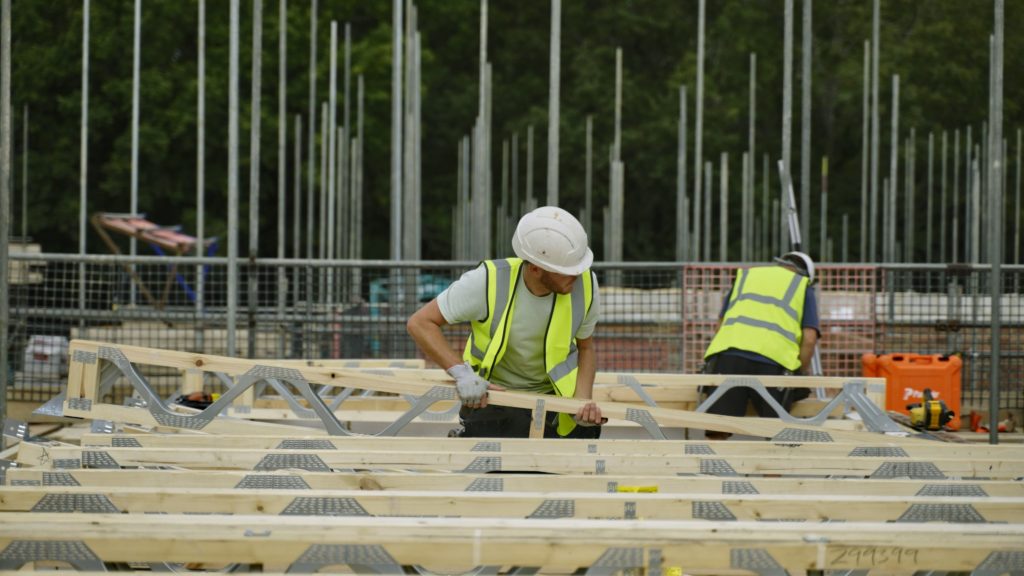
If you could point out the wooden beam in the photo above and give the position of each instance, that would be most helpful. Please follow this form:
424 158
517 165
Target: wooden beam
219 425
579 463
664 417
457 504
562 446
456 544
371 481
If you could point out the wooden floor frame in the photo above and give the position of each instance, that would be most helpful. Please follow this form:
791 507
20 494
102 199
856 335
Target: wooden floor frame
288 499
84 382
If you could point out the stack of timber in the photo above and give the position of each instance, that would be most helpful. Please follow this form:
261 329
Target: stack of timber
154 491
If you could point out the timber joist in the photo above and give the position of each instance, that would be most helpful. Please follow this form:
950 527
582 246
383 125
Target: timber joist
870 448
451 545
505 504
94 364
543 483
442 458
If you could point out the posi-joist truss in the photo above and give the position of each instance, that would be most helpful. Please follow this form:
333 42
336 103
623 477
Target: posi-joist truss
95 365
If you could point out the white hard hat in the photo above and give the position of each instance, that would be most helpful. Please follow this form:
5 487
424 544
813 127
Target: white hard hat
801 261
554 240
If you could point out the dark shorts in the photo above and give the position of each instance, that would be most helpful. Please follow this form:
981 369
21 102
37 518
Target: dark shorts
505 422
734 401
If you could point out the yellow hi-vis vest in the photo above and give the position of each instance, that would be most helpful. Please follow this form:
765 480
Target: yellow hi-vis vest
764 315
488 338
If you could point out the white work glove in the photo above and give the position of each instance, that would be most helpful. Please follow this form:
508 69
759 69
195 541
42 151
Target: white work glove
471 388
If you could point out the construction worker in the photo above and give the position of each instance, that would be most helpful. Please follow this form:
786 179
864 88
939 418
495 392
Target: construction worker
768 326
532 320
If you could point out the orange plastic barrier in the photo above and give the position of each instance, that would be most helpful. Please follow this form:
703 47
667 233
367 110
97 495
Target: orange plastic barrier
907 375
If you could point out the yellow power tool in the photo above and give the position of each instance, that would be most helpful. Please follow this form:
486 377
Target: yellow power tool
929 414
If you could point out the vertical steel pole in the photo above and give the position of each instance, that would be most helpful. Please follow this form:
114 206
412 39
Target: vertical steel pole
553 100
996 221
282 166
618 176
255 118
787 89
332 151
955 205
488 177
846 238
83 191
751 148
358 207
865 138
396 129
503 210
324 190
311 148
457 211
480 232
464 238
1016 213
5 199
775 232
745 208
968 190
823 224
911 155
513 210
805 130
24 172
709 170
698 135
408 180
617 147
931 197
766 242
723 209
200 172
681 228
297 194
942 199
418 143
894 163
137 24
588 200
975 211
345 222
232 311
875 135
529 169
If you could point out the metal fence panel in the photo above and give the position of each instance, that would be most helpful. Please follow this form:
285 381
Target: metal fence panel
655 317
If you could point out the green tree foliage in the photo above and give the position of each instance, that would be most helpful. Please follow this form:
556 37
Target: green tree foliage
939 48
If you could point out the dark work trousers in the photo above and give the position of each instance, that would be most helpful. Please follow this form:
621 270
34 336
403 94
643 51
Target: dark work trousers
734 401
505 422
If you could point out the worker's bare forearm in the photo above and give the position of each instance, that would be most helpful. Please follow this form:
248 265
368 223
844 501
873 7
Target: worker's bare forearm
586 369
807 344
425 329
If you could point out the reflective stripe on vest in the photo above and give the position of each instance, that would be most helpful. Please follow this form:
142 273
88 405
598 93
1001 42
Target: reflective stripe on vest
764 315
489 337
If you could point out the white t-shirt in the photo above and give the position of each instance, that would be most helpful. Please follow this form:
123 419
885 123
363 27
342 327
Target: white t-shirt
522 366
